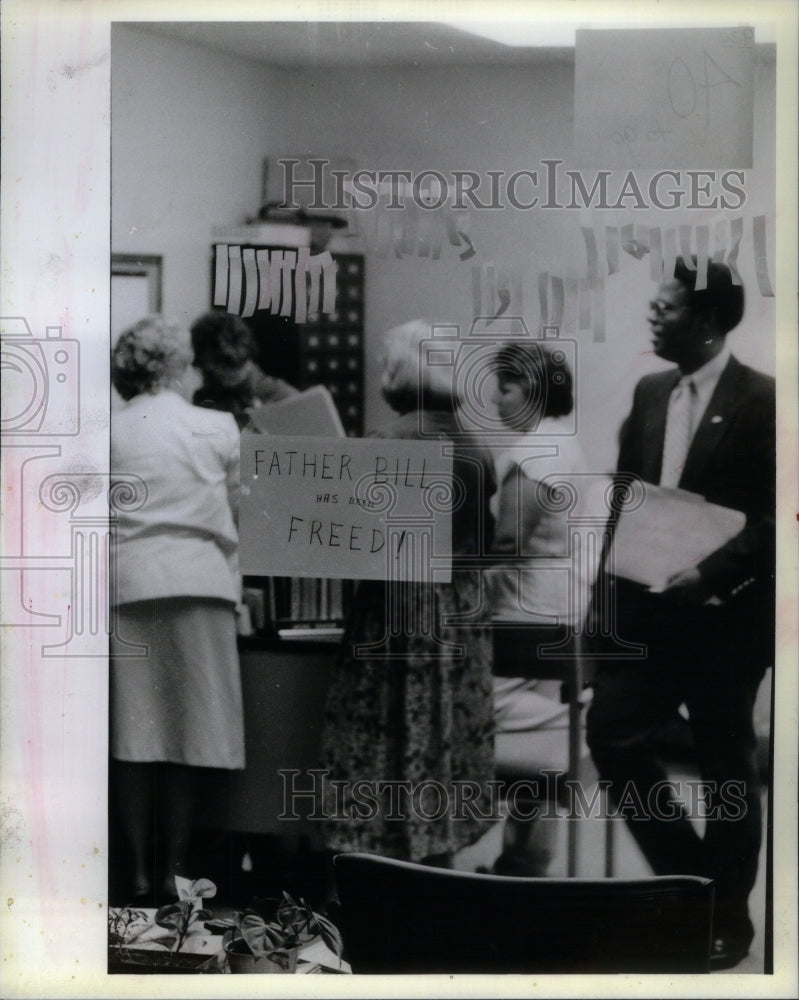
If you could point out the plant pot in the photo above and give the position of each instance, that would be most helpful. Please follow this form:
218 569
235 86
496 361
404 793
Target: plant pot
146 961
242 960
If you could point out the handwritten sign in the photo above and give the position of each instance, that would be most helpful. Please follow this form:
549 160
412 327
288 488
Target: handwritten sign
368 509
676 98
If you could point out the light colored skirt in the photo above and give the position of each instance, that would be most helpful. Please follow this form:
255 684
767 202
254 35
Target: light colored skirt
181 703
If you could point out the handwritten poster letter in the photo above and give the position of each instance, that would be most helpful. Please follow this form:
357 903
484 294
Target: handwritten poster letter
345 508
669 98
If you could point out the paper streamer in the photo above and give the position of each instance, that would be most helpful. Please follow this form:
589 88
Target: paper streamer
761 257
503 292
383 229
289 263
516 292
685 247
720 235
220 274
329 268
490 289
556 318
398 233
612 248
315 272
736 235
592 256
234 286
301 285
669 253
275 278
570 310
656 254
584 297
543 297
702 244
264 279
458 231
477 284
598 309
250 282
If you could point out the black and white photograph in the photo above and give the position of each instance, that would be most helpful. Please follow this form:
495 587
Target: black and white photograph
399 511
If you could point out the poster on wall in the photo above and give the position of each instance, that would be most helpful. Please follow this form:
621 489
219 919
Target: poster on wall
399 437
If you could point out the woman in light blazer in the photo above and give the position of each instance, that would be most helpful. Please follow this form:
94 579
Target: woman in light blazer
176 708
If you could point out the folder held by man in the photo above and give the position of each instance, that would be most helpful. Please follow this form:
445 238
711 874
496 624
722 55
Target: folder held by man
672 530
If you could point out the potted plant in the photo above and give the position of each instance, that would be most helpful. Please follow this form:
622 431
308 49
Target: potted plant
156 940
272 944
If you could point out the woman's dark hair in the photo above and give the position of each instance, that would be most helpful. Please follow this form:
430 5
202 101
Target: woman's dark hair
221 340
722 299
544 370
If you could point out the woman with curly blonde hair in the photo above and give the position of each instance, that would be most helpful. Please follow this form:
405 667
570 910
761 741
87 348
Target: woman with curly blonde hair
176 704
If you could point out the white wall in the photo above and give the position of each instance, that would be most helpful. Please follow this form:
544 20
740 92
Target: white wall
191 126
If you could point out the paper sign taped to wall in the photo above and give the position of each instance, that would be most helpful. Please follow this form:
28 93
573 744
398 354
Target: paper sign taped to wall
676 98
363 509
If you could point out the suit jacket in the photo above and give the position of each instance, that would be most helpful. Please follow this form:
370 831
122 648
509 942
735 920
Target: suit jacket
731 462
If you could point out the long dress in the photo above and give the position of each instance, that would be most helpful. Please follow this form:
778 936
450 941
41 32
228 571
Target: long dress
413 720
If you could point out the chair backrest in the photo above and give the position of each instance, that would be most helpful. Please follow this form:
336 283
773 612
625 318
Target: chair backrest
399 917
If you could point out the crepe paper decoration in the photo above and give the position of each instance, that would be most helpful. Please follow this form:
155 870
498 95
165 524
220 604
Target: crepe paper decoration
556 318
301 285
516 292
685 247
592 257
250 282
570 305
220 274
543 297
702 244
584 300
490 273
669 253
398 233
315 273
289 263
612 248
736 235
265 278
234 277
761 258
329 268
503 291
720 233
598 312
276 269
636 246
656 254
477 288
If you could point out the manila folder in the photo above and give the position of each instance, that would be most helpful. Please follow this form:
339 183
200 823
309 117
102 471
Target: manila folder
672 530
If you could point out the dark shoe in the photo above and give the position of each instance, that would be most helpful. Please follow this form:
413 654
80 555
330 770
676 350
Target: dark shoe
727 951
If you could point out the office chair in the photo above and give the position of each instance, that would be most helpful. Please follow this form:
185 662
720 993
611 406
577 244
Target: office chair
399 917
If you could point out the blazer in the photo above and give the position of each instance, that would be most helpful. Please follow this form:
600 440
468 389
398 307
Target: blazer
732 462
182 541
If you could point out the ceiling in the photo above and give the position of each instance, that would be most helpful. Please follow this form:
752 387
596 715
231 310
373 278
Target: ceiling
346 44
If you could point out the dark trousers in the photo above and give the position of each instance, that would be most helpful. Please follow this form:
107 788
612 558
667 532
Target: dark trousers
706 660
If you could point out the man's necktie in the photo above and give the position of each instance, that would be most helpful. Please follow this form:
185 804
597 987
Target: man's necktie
678 431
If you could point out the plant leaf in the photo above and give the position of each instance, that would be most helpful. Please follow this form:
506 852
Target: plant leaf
203 888
172 916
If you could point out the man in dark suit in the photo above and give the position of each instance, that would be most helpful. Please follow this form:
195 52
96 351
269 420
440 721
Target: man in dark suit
706 426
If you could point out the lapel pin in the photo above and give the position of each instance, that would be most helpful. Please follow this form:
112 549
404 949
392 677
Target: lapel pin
716 420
